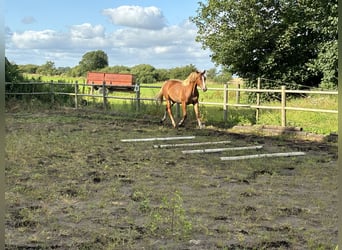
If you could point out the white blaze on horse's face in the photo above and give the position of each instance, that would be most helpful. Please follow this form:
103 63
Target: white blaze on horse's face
204 87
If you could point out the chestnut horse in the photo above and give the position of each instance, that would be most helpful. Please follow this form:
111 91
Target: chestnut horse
183 92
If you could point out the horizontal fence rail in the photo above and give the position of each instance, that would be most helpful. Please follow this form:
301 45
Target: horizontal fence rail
76 93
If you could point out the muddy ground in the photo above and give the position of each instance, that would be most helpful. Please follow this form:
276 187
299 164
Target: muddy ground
73 184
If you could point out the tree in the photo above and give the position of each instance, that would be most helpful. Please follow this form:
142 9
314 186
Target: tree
116 69
93 60
28 68
48 69
162 75
222 76
182 72
287 40
144 73
12 72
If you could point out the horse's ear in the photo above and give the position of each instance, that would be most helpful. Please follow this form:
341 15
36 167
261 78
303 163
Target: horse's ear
203 72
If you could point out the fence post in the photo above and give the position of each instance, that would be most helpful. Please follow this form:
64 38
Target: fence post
283 106
52 92
92 92
83 87
76 93
257 113
137 96
104 95
225 102
238 94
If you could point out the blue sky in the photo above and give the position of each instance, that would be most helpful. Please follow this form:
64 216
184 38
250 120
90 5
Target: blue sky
156 32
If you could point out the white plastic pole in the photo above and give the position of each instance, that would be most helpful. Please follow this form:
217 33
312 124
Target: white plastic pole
190 144
215 150
159 139
243 157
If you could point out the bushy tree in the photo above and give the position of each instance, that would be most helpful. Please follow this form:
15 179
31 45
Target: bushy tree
182 72
287 40
93 60
47 69
162 75
28 68
144 73
223 76
116 69
12 72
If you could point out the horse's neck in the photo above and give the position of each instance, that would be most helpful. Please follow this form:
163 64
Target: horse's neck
192 86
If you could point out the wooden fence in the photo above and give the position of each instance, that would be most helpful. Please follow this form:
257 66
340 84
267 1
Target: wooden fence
79 91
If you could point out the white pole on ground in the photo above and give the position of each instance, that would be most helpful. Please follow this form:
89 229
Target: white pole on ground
159 139
243 157
215 150
190 144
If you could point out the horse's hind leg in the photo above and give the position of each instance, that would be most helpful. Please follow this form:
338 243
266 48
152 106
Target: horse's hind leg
169 110
164 117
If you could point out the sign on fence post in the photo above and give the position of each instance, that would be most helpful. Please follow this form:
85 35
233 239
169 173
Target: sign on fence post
76 92
225 102
283 106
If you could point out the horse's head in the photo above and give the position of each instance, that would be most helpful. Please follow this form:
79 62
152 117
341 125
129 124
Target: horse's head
200 80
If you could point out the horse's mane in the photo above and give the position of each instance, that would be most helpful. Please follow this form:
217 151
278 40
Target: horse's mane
192 77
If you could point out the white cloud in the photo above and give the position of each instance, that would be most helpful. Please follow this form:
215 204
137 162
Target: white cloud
87 31
37 39
177 35
136 17
79 36
168 47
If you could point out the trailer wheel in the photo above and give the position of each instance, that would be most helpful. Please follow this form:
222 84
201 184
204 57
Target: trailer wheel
101 90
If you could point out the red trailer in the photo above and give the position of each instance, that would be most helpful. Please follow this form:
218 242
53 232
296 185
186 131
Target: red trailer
112 81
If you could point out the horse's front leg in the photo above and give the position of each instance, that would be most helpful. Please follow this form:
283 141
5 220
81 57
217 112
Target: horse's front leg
184 114
196 109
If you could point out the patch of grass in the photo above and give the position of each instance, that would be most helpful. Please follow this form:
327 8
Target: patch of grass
169 219
320 123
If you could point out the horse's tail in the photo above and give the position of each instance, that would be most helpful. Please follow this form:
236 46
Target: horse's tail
159 97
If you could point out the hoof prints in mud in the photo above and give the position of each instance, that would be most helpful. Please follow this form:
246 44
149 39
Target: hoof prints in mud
31 247
263 245
19 216
291 211
255 174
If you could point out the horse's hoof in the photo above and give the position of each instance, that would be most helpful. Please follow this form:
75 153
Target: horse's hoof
201 126
180 125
